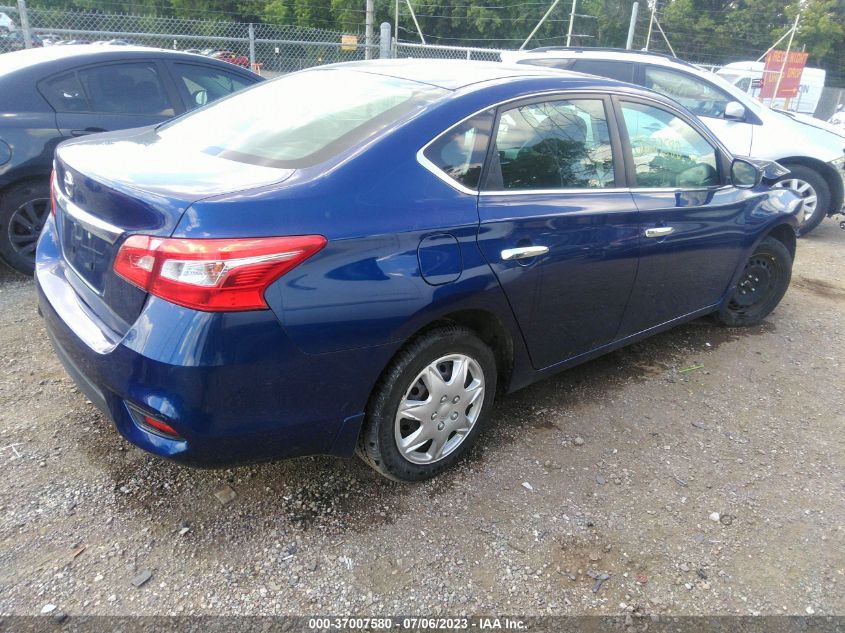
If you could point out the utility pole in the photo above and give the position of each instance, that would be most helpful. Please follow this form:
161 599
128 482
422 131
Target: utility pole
22 14
571 22
650 23
786 57
416 24
633 25
396 30
368 29
540 23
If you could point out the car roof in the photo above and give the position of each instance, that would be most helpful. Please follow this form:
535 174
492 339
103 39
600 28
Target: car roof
57 58
454 74
618 54
20 71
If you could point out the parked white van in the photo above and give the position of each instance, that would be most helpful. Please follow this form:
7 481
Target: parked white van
813 150
748 77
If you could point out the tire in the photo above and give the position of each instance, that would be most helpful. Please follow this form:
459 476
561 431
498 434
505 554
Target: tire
764 280
811 186
446 428
23 210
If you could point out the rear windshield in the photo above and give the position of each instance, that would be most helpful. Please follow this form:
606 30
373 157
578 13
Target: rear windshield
301 119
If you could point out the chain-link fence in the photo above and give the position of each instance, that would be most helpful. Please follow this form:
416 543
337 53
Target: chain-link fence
267 48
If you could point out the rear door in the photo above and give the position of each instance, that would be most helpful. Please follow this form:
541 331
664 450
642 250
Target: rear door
691 220
109 97
558 227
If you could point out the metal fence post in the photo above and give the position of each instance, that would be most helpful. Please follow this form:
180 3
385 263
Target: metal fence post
22 14
251 46
369 17
384 41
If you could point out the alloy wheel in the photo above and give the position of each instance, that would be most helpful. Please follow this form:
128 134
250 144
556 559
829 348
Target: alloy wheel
807 193
439 409
25 226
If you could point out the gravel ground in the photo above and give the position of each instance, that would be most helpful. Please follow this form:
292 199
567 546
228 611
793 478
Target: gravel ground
632 483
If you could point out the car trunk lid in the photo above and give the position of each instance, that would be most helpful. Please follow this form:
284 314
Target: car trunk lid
122 184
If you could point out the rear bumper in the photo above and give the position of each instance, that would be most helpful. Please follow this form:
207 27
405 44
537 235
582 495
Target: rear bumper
231 384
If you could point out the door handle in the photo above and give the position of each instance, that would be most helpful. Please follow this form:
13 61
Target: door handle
660 231
523 252
88 130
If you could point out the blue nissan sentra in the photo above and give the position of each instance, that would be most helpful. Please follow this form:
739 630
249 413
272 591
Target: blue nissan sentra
360 257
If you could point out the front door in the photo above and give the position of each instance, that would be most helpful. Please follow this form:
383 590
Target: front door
691 222
558 226
705 100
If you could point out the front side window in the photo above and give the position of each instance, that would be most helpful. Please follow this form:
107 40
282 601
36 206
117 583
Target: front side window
206 84
459 153
126 89
698 96
553 145
301 119
667 151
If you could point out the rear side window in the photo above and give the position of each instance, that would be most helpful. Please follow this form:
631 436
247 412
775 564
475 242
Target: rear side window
621 71
698 96
553 145
459 152
667 151
65 93
125 89
548 62
206 84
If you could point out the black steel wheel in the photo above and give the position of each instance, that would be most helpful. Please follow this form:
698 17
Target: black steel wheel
762 284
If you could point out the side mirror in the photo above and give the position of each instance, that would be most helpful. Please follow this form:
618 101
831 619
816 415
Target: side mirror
735 111
745 174
201 97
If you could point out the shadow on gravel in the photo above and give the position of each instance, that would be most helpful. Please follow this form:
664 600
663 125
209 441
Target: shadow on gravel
336 495
9 276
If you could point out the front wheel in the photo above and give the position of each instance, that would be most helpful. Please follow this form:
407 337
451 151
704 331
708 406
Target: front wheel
761 285
429 407
813 189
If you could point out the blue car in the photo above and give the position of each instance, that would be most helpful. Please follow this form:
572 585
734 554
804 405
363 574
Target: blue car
360 257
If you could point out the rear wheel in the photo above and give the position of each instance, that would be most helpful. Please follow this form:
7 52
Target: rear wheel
814 190
430 406
761 285
23 211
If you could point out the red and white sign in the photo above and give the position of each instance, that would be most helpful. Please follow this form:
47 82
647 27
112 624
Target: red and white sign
791 79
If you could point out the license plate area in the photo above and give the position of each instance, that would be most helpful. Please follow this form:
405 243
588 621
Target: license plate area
89 255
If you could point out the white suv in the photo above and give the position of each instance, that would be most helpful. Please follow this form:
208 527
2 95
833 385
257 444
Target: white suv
7 24
812 150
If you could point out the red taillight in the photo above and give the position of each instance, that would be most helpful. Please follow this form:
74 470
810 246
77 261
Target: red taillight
215 275
53 193
160 426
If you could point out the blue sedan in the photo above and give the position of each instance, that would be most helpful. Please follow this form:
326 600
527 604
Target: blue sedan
361 257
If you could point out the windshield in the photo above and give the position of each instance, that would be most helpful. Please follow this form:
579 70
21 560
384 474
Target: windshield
731 77
301 119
